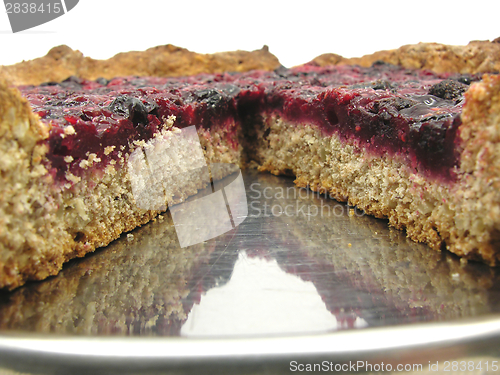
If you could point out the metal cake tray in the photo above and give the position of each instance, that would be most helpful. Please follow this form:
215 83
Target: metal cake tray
302 280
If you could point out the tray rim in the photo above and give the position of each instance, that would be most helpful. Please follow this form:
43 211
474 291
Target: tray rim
417 342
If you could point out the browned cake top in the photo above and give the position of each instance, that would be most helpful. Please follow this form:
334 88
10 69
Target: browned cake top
476 57
163 61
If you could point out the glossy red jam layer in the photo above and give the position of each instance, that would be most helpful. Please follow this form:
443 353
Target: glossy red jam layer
386 109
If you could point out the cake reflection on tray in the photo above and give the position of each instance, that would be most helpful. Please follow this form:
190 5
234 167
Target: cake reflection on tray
260 298
317 266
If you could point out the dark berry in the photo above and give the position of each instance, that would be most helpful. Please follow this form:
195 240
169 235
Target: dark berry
102 81
72 82
380 63
382 85
51 83
448 89
211 97
131 108
282 72
398 103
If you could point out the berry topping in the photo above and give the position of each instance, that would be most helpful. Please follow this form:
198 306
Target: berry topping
385 108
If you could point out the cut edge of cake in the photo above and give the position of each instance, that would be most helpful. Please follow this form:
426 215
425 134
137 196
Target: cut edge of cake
46 222
462 216
56 223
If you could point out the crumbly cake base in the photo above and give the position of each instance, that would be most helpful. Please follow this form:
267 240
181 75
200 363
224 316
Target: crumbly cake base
462 216
46 223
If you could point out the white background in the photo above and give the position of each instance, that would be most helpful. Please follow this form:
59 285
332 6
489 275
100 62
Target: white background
295 32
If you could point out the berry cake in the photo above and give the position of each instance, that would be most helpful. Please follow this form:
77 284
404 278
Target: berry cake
413 146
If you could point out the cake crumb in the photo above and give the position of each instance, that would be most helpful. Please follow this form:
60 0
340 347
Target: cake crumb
92 158
130 237
110 170
69 130
351 212
68 159
71 177
455 276
349 244
109 149
80 208
139 143
169 122
38 171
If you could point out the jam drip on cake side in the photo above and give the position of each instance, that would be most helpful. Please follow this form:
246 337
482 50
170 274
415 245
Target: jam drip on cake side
384 108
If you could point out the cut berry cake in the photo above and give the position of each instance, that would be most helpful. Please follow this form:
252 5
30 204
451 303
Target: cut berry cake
411 146
416 147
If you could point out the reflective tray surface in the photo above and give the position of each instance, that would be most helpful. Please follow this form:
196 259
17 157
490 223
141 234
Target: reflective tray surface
302 276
